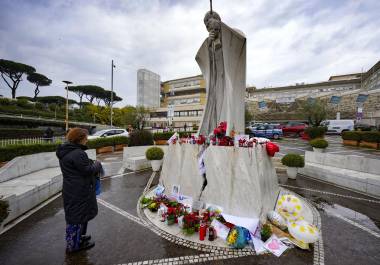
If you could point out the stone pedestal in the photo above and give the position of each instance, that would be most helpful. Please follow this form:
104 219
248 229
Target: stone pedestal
242 181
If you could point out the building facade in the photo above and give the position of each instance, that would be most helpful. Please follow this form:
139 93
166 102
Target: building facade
148 89
353 96
182 103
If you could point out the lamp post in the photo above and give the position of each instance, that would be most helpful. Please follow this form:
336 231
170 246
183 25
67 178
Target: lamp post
67 103
112 67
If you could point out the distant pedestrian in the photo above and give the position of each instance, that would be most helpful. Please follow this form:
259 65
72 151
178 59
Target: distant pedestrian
48 135
185 127
78 191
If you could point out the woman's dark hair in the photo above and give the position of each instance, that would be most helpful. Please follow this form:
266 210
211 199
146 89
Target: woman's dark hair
76 135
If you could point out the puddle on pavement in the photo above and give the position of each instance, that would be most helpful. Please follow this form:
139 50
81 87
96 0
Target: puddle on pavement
336 209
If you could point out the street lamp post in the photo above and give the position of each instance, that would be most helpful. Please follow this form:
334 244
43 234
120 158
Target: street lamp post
67 103
112 67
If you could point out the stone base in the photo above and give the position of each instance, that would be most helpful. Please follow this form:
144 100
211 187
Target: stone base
242 181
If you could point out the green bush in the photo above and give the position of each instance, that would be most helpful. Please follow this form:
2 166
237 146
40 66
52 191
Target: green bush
4 210
293 160
6 102
140 137
23 103
372 137
39 106
120 140
319 143
154 153
316 132
167 135
100 142
9 152
185 134
162 136
351 135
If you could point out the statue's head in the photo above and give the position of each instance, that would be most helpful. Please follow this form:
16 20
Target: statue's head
213 23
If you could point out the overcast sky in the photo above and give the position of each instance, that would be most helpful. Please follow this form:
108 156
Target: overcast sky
288 41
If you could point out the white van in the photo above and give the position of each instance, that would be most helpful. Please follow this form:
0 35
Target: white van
338 126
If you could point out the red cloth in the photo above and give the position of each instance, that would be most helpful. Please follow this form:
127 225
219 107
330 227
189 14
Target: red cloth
272 148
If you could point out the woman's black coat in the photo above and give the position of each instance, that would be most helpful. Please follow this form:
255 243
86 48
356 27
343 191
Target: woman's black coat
79 177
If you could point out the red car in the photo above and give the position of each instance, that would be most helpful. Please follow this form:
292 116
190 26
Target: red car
294 128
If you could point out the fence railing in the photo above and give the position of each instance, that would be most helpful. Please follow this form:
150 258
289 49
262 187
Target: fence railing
36 140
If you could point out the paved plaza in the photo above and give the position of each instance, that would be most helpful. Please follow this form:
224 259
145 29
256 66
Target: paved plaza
350 228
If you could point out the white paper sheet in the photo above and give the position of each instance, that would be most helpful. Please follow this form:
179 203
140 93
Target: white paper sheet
275 246
258 245
249 223
221 230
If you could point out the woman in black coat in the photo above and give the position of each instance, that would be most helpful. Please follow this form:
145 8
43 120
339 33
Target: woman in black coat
78 191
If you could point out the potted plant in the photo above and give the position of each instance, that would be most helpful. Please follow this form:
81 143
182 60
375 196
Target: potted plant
319 145
293 162
266 232
155 155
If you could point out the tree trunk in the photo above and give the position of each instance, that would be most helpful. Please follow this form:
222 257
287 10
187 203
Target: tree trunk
36 92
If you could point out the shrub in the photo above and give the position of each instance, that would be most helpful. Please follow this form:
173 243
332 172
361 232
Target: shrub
319 143
39 106
100 142
140 137
293 160
23 103
316 132
372 137
7 153
120 140
5 101
4 210
185 134
154 153
351 135
162 136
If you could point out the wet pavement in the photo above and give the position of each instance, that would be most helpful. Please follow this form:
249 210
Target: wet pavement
299 146
350 227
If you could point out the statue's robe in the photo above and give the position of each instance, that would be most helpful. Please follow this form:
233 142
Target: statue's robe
224 70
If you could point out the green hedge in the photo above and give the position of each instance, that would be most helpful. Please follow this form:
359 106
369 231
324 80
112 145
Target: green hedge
319 143
16 133
167 135
11 151
371 136
154 153
316 132
140 137
351 135
293 160
162 136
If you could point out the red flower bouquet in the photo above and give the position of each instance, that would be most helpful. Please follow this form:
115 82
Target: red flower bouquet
272 148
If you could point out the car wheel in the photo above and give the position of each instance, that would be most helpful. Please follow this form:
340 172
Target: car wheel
276 136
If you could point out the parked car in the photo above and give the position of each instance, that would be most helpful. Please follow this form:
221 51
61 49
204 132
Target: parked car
267 131
108 133
338 126
365 127
293 128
